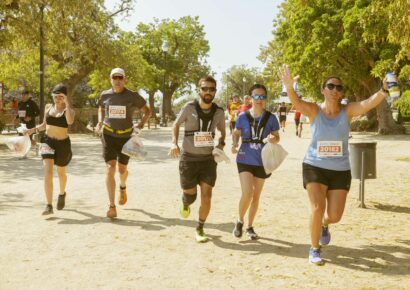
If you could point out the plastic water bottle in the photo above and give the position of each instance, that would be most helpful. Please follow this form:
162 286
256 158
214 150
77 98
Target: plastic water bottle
392 86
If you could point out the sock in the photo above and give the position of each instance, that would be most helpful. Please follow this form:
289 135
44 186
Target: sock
200 224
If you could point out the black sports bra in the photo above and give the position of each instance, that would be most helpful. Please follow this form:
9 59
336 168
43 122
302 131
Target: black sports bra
56 121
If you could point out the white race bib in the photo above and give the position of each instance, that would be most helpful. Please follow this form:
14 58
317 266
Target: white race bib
22 114
117 112
203 139
329 149
46 150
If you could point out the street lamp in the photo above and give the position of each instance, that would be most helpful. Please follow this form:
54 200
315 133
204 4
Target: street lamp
243 88
163 122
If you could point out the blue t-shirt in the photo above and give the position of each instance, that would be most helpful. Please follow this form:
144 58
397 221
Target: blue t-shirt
250 153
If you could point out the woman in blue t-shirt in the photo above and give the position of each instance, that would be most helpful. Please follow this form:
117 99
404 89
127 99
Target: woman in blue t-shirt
326 166
253 126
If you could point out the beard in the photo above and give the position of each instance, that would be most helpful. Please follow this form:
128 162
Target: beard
207 99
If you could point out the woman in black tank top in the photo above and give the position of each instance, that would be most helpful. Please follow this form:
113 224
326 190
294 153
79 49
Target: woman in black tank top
55 145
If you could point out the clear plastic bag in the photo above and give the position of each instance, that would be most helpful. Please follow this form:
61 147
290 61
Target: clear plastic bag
219 155
134 148
272 156
21 144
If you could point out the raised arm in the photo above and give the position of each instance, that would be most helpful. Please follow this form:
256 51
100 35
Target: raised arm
306 108
362 107
69 112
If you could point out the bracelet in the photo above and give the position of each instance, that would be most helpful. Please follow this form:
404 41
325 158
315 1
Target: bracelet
384 90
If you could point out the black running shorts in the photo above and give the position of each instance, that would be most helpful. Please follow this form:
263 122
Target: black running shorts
59 150
112 147
257 171
332 178
192 172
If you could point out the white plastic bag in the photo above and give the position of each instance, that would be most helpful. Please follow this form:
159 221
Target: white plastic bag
134 148
219 155
272 156
21 144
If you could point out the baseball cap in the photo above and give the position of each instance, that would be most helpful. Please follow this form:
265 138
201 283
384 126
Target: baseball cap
59 89
117 71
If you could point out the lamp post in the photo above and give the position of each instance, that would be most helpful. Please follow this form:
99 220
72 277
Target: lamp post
163 122
41 72
243 86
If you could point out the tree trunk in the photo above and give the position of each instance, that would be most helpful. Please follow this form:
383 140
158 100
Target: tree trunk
387 125
168 101
151 101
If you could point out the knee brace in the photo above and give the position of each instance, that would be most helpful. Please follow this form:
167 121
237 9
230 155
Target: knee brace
188 199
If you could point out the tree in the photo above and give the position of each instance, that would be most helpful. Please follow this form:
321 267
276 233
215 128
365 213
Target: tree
238 79
78 38
186 58
321 38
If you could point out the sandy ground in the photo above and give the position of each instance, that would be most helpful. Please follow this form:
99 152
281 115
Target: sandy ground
150 247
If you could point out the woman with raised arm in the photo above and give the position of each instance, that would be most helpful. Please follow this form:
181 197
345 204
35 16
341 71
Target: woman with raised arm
326 166
55 145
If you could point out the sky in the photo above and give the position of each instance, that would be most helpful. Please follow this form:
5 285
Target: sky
235 29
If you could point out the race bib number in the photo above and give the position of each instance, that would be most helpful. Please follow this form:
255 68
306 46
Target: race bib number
22 114
46 150
203 139
117 112
283 114
329 149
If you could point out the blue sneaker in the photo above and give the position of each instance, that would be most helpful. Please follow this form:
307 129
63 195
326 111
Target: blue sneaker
324 236
314 257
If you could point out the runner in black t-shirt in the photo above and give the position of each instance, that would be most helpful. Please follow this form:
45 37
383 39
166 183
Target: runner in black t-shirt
116 107
282 112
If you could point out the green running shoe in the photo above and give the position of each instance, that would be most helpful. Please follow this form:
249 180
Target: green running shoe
185 211
200 236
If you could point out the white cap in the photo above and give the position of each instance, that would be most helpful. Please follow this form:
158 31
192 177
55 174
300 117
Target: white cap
117 71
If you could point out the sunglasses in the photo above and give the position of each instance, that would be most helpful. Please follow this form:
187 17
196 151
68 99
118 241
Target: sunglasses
208 89
331 86
117 78
259 97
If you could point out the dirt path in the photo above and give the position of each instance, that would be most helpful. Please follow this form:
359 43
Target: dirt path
150 247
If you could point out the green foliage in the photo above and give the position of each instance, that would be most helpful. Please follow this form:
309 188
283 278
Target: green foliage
79 37
238 79
403 104
321 38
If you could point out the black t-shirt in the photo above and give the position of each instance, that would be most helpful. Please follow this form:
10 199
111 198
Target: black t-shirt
28 109
119 108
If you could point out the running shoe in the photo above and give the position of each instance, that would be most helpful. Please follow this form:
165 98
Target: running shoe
48 210
61 201
237 231
250 232
324 236
314 257
112 212
200 236
185 211
123 196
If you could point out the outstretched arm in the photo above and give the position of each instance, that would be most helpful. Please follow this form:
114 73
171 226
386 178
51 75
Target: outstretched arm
360 108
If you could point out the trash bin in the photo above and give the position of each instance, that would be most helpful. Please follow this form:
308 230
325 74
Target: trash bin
369 150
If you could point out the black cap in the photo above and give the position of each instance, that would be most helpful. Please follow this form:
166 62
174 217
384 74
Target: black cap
59 89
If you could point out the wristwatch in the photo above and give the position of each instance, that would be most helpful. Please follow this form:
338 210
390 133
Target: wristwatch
222 143
384 90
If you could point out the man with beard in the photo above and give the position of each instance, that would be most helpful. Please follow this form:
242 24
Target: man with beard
197 165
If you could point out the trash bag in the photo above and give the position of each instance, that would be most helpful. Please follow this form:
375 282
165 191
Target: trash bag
272 156
219 155
21 144
134 148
